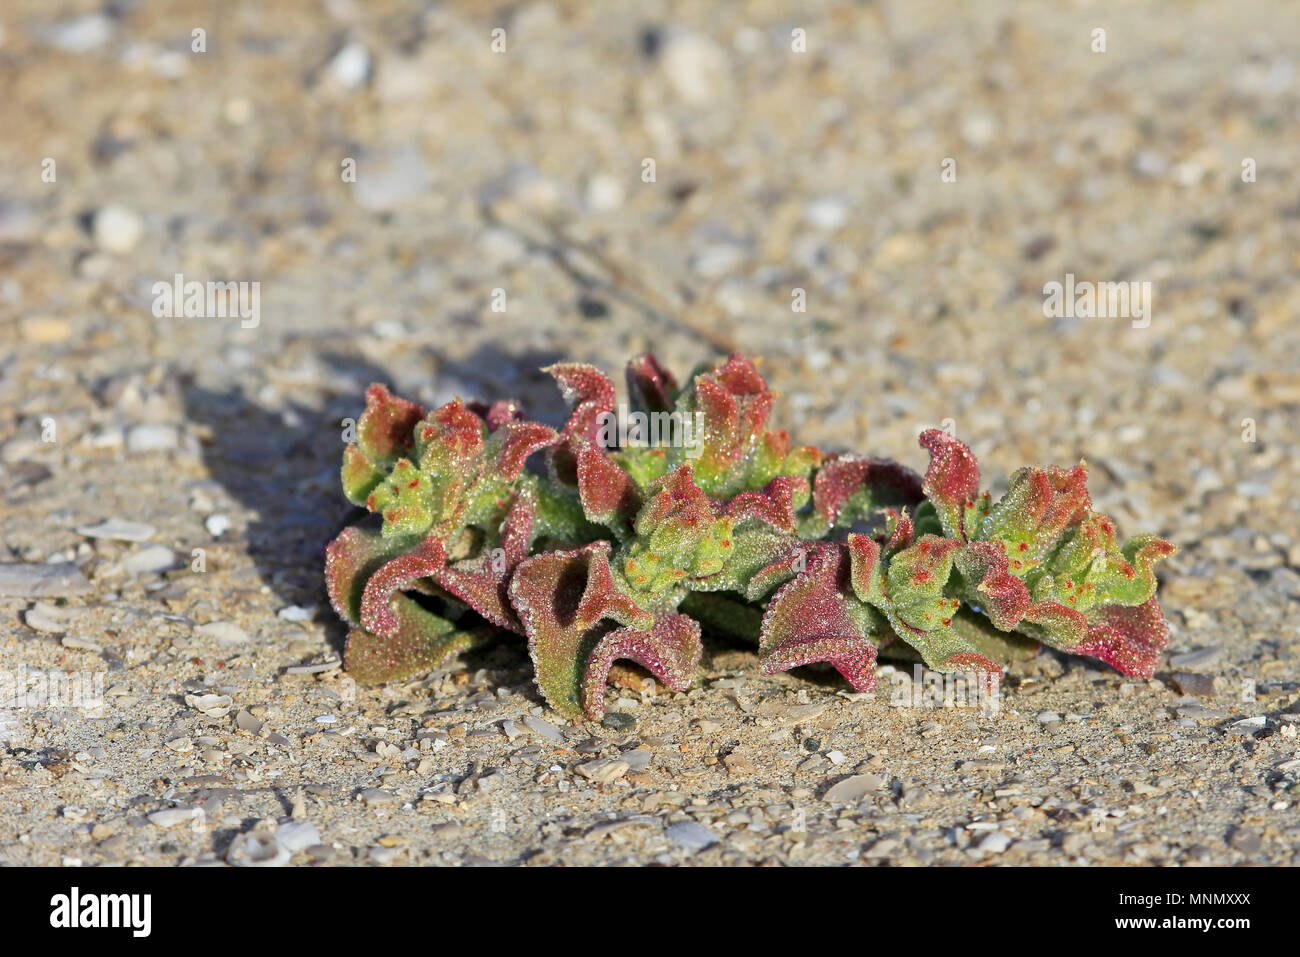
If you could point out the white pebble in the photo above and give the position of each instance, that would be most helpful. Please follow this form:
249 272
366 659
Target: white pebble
350 66
118 529
225 632
116 229
150 561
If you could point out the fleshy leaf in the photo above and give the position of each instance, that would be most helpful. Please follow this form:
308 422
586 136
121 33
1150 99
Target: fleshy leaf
679 537
816 617
360 475
786 559
422 561
952 483
1129 639
914 586
482 582
510 444
983 567
422 642
1039 505
773 505
1089 569
849 487
651 386
900 531
350 559
736 452
384 429
561 598
383 434
670 650
608 494
409 503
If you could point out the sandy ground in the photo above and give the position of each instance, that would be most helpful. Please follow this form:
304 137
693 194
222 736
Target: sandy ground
523 171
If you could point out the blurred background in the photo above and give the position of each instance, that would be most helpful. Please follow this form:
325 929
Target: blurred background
615 177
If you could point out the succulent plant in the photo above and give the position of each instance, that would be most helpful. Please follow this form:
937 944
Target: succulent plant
615 549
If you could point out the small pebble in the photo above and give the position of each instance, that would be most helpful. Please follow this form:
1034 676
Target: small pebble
45 617
1201 685
618 721
119 529
80 34
30 580
80 644
116 229
690 835
254 850
152 438
150 560
350 67
297 835
995 842
544 728
852 788
1198 658
224 632
212 705
603 770
315 667
170 817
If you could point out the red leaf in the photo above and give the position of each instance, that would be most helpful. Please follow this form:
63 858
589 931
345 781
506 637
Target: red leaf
843 476
608 494
482 583
1129 639
952 482
808 620
561 597
384 430
422 561
984 567
350 560
670 650
773 505
650 385
521 439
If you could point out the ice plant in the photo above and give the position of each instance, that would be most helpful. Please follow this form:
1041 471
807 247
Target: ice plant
600 554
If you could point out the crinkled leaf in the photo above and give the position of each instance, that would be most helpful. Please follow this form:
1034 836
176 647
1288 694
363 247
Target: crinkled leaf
384 429
848 488
1039 505
422 642
652 387
421 561
350 559
482 582
816 617
952 484
1003 596
608 494
670 650
563 599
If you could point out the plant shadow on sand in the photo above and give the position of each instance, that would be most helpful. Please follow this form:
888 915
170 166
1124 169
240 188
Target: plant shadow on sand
282 463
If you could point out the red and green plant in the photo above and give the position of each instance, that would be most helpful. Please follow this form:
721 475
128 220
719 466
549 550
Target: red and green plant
606 555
